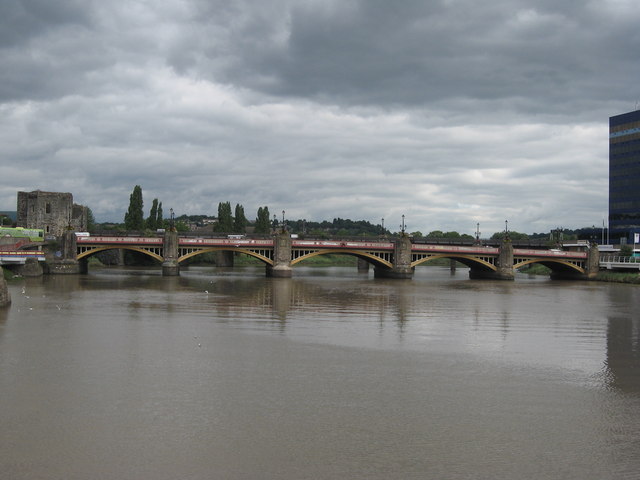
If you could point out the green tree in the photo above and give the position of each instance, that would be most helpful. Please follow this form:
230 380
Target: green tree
152 221
159 219
263 222
134 218
91 221
225 220
512 235
626 251
181 227
239 220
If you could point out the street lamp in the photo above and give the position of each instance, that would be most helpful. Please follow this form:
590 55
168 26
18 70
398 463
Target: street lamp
402 226
477 232
283 225
171 224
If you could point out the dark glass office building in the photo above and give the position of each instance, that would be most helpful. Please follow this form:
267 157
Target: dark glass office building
624 177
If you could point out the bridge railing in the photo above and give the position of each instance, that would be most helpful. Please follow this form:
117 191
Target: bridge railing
618 259
535 244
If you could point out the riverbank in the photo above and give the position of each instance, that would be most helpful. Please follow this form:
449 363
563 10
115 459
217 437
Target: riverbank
617 277
602 276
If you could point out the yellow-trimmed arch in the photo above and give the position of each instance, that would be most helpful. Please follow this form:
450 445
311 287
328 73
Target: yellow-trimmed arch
87 253
548 263
469 259
266 260
356 253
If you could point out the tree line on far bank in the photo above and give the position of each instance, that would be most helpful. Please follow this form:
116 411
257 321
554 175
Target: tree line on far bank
236 222
227 222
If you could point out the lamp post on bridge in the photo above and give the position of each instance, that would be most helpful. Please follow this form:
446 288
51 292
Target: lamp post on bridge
284 227
478 233
402 226
382 219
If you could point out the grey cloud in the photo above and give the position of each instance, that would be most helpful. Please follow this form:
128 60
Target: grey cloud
414 53
451 112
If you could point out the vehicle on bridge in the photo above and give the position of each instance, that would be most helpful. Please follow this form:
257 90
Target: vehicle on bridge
33 234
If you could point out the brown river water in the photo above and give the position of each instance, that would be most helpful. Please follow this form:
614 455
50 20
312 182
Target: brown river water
226 374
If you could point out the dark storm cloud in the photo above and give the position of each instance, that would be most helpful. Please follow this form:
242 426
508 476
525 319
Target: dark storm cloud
541 55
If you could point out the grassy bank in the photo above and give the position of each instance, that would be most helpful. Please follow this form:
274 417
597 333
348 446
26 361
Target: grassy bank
603 276
535 269
617 277
9 276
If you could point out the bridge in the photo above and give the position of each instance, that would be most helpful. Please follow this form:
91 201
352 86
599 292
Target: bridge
392 258
20 257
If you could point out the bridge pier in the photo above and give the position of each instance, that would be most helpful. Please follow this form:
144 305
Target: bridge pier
5 298
224 258
65 260
170 266
363 265
281 267
401 261
591 268
504 264
593 261
31 268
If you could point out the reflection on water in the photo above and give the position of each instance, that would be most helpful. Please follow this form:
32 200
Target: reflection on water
223 373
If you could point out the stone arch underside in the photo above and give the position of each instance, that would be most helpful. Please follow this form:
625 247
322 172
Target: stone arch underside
367 256
251 253
559 266
467 260
88 253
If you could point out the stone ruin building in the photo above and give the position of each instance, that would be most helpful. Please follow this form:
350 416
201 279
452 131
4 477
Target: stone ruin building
53 212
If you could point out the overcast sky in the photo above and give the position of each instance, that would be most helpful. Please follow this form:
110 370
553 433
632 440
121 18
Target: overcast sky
451 112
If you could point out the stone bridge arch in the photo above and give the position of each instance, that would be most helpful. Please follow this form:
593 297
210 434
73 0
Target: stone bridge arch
557 266
478 263
262 255
153 252
371 258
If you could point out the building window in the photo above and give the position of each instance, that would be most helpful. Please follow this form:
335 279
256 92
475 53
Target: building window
47 207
